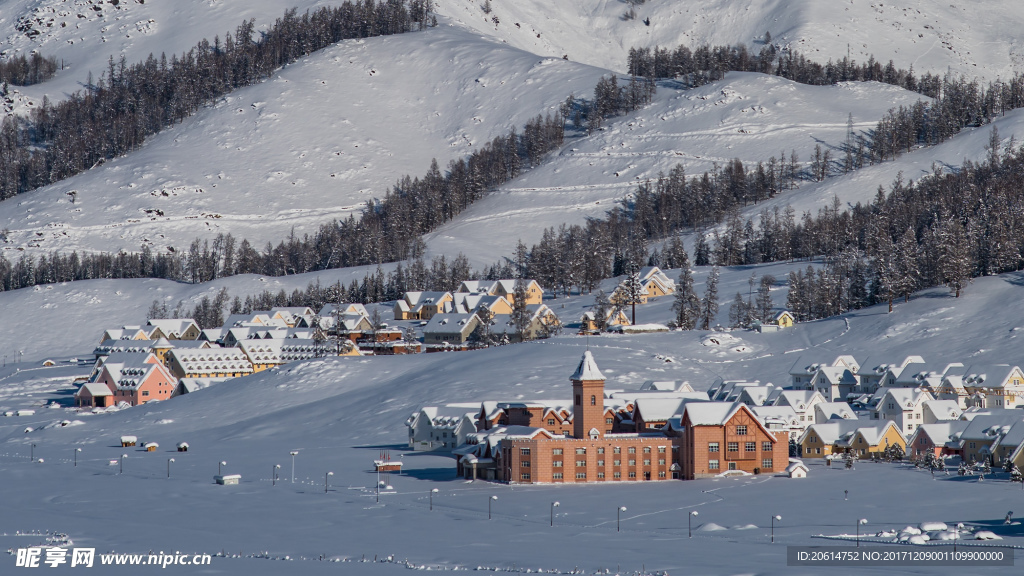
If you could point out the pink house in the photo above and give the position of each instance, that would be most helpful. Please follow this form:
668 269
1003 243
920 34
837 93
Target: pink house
95 394
136 378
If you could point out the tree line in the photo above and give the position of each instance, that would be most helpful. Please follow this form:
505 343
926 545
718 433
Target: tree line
25 71
113 115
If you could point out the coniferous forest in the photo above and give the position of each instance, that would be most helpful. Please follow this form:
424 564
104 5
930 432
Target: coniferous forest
943 229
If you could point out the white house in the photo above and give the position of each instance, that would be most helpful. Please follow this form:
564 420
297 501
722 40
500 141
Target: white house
904 407
442 428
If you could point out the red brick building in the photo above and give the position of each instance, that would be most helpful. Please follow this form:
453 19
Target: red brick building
717 437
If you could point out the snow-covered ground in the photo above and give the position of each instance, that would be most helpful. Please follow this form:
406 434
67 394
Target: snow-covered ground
339 413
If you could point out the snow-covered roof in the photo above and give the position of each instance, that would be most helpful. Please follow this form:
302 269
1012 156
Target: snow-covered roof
905 398
939 433
837 375
943 409
990 426
988 376
835 410
587 369
451 324
830 432
95 389
777 415
800 400
667 385
173 327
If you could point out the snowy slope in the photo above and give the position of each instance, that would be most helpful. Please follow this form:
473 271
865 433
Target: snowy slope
310 145
972 38
339 413
747 116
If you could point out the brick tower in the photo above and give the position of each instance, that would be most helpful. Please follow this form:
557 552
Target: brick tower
588 399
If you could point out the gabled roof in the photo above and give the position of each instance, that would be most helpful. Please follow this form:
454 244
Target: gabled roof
990 426
658 409
798 399
835 411
95 389
173 328
837 375
939 433
781 415
943 409
587 369
667 385
905 398
988 376
451 324
830 432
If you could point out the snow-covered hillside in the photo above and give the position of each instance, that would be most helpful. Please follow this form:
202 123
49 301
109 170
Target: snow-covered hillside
978 39
310 145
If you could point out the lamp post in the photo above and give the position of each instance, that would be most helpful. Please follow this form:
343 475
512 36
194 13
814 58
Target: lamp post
120 469
273 474
859 522
32 453
432 492
956 536
294 454
774 518
77 450
169 460
219 464
618 517
326 478
553 506
689 526
489 500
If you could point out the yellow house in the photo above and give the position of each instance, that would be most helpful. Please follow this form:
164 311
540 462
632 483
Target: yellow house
588 322
784 319
818 441
505 288
422 305
866 440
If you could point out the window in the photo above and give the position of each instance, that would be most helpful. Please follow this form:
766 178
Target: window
661 449
581 450
551 421
712 446
732 465
766 446
556 476
632 474
600 475
557 463
661 461
578 402
600 450
557 452
972 444
525 463
581 463
600 462
617 450
734 446
593 400
609 420
145 392
712 464
647 449
910 426
807 450
661 474
632 462
616 475
616 462
524 451
647 462
741 430
581 475
766 463
750 446
632 450
524 476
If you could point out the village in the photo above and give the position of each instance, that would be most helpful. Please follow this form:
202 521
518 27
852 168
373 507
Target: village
169 357
843 410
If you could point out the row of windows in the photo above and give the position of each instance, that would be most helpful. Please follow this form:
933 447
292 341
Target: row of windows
600 463
735 446
715 465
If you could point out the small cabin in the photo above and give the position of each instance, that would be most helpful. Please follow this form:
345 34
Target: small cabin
796 470
182 446
151 446
127 441
227 479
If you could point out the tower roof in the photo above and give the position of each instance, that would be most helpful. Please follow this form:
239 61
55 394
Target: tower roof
587 370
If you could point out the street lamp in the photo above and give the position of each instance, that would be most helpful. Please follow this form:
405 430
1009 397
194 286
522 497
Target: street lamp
489 500
273 477
432 492
689 528
32 453
618 516
294 454
859 522
219 464
553 506
77 450
326 476
120 469
774 518
169 460
956 535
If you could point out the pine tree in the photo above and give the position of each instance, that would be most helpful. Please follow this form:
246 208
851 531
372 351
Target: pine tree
686 305
520 314
763 302
709 304
738 312
631 290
